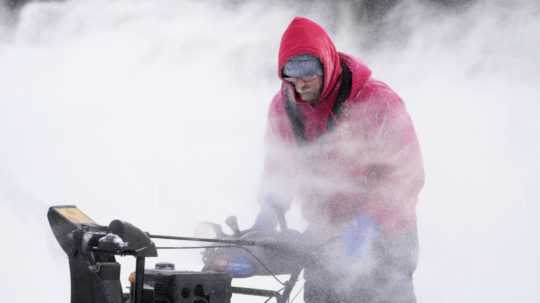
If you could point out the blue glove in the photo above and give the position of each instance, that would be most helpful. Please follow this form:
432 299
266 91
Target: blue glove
357 234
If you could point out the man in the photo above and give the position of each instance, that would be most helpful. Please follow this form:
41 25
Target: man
342 144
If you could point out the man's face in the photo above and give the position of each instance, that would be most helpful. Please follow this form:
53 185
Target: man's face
308 88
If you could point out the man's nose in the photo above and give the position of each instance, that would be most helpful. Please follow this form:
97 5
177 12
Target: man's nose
300 83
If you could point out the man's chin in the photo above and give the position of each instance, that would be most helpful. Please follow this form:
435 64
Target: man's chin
309 98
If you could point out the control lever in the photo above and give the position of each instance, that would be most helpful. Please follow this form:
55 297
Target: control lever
111 242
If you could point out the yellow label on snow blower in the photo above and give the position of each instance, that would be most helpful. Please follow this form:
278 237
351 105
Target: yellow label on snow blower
75 215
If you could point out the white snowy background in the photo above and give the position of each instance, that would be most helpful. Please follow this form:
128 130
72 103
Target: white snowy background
154 112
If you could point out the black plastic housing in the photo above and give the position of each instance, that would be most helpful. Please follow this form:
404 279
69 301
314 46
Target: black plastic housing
95 277
187 287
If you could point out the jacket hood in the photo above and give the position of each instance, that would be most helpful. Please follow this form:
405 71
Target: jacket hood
305 37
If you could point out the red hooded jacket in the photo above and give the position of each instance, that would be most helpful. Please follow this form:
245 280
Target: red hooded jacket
370 163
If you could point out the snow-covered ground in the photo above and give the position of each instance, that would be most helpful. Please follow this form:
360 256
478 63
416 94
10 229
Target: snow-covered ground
154 112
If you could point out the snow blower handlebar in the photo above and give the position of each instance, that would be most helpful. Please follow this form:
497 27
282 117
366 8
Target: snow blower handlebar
194 239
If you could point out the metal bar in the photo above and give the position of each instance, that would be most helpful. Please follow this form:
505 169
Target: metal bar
289 287
234 242
256 292
139 280
195 247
